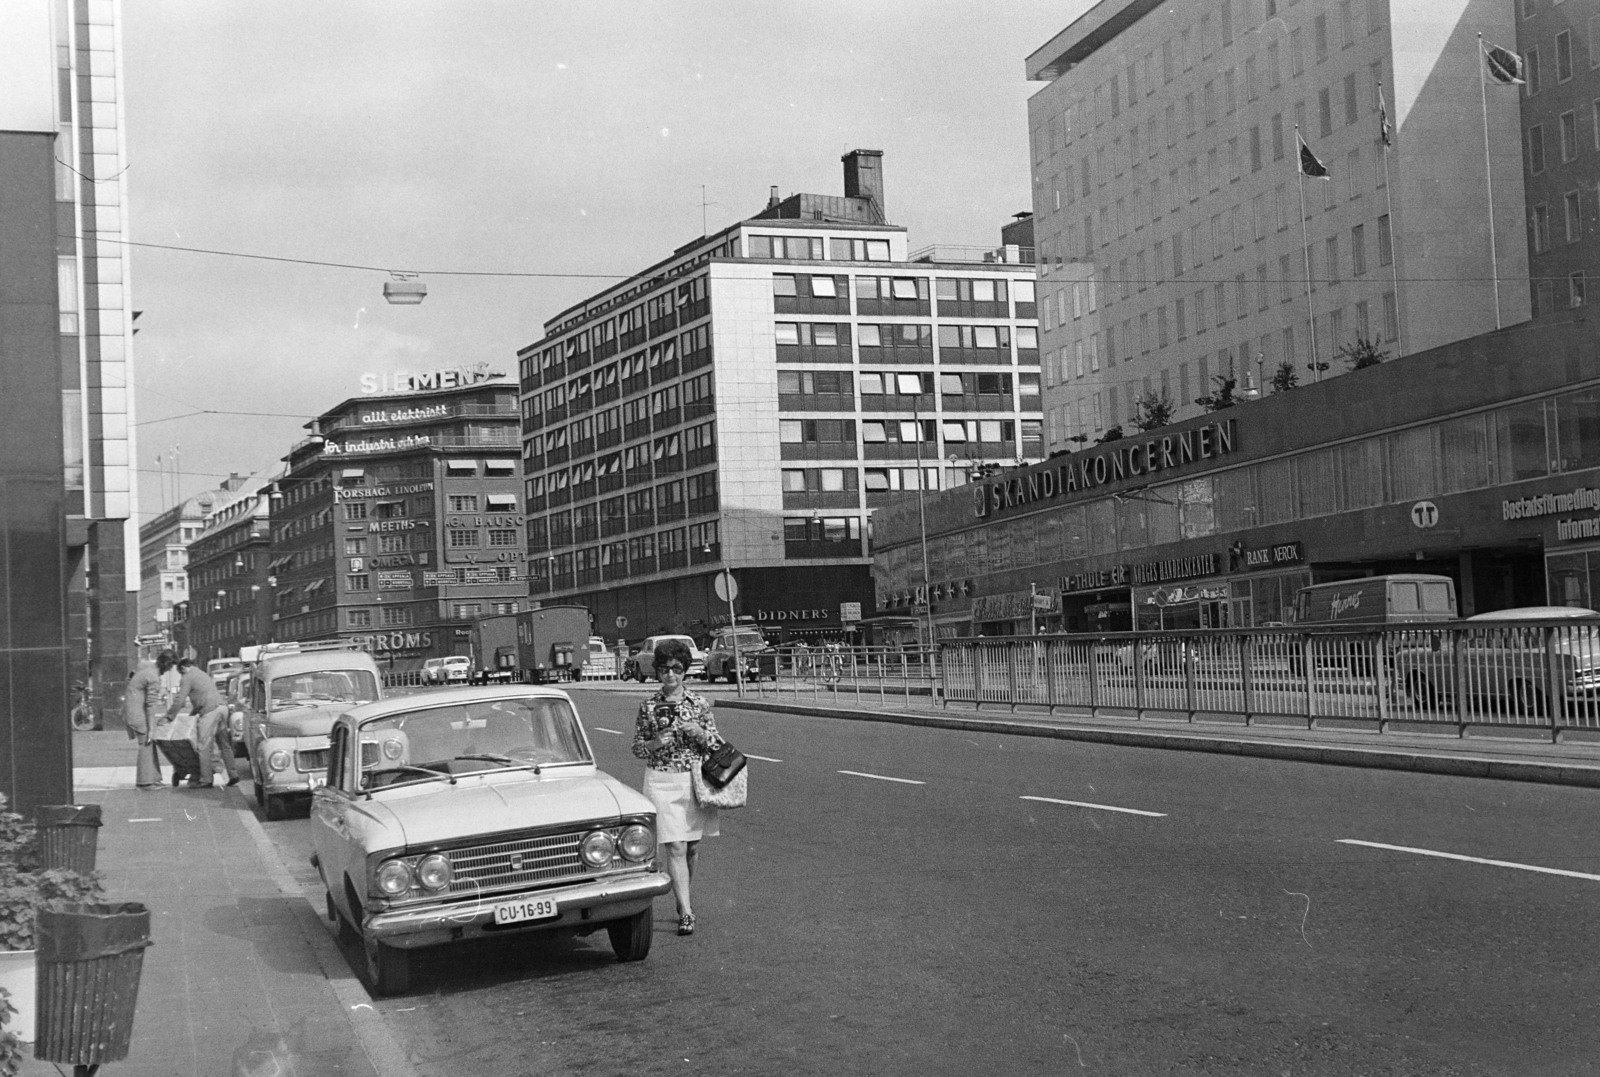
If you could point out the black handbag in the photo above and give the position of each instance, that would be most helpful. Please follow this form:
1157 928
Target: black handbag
722 765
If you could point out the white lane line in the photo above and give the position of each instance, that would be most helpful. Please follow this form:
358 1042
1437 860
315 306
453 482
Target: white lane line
763 758
1471 859
1099 807
881 777
603 729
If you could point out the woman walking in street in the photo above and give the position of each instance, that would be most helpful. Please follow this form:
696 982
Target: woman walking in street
673 735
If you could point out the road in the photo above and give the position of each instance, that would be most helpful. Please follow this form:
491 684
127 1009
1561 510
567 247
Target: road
899 900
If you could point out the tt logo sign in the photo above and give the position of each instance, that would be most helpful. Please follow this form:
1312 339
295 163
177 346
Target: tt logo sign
1425 514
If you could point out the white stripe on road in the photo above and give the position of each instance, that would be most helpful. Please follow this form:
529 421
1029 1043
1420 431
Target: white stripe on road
1471 859
603 729
881 777
1099 807
763 758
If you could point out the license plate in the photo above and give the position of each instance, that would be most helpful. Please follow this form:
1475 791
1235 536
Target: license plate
517 912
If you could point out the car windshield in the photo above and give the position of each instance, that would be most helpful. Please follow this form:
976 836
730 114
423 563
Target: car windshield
441 742
324 686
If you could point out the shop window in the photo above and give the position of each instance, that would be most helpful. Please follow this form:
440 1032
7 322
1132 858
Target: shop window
1578 430
1520 442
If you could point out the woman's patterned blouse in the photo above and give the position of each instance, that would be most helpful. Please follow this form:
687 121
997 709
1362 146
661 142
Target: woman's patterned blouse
657 714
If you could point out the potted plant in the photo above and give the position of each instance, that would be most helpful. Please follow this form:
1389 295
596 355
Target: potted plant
25 888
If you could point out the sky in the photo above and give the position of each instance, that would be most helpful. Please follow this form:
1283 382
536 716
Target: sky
575 141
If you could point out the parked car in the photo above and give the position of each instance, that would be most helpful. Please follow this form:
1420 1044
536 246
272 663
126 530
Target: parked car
294 699
453 669
756 655
1394 599
643 663
1515 659
473 813
602 663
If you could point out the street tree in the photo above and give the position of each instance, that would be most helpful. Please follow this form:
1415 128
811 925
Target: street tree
1112 434
1362 354
1285 377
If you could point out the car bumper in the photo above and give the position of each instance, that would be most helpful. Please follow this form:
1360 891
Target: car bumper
293 780
592 902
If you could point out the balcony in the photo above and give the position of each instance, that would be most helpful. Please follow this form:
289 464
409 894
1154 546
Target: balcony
956 254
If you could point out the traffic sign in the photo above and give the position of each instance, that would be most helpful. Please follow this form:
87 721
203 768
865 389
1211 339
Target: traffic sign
1425 514
727 587
849 611
622 622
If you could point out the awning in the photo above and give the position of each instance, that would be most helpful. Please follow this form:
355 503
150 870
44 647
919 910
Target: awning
462 465
502 502
500 465
353 473
314 586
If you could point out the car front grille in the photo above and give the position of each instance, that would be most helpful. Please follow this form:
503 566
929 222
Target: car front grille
314 760
512 863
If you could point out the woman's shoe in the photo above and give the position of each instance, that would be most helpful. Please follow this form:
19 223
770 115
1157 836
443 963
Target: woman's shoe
177 776
686 924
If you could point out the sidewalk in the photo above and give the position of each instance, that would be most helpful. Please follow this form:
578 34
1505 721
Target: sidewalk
1506 757
243 977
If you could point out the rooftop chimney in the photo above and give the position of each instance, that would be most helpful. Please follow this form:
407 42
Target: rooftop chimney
863 178
772 198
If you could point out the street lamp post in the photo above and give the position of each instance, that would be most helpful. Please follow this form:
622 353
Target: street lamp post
922 526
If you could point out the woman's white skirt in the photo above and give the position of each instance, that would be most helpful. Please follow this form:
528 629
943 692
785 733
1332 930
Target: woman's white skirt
678 817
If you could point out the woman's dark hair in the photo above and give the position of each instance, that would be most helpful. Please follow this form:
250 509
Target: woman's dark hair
673 650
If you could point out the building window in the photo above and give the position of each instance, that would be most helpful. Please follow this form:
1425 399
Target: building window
391 510
463 502
1574 207
1385 241
503 608
396 615
358 618
355 510
393 543
1569 136
1575 289
355 547
1391 317
460 538
1358 250
358 583
503 537
1564 56
1541 228
1530 69
465 611
1325 112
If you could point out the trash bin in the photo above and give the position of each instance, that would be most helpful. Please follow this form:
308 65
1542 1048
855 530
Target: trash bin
68 834
90 958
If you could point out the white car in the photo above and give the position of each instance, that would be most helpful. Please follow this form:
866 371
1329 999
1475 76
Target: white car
477 813
456 669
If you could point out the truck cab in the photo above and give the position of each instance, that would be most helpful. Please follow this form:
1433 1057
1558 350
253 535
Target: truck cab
294 697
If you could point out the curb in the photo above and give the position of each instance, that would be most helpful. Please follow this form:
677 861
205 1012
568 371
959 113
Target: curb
1355 755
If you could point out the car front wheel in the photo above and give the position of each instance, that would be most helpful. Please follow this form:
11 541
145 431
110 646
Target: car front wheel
388 968
630 938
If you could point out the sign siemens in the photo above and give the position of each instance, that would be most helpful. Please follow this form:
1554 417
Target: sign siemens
1086 471
448 378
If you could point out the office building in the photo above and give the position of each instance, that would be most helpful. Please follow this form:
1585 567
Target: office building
1560 48
399 520
163 563
227 573
748 402
1173 244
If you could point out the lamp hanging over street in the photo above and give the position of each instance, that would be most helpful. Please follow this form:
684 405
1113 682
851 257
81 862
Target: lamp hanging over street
405 289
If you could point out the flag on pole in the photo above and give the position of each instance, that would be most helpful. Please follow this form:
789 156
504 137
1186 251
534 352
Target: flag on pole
1503 64
1383 118
1309 165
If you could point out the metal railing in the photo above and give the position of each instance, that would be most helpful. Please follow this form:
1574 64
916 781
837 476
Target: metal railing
1536 674
848 674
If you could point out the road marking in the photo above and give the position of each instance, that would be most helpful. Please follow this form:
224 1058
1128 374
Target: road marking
881 777
763 758
603 729
156 819
1098 807
1471 859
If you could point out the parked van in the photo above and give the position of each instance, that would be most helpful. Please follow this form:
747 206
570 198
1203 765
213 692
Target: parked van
1399 598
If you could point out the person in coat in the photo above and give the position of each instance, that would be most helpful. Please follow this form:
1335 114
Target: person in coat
141 709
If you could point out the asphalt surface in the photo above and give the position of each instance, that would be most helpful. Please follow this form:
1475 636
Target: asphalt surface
923 915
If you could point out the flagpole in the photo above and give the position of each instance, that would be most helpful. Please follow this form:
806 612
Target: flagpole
1488 178
1305 250
1394 253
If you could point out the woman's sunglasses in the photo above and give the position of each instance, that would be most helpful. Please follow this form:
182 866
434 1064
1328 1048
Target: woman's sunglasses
672 667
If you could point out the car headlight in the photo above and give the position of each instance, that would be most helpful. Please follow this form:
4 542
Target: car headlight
637 842
434 872
598 849
278 760
393 749
394 877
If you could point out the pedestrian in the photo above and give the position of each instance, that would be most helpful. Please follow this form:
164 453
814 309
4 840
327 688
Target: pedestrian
141 707
674 734
198 689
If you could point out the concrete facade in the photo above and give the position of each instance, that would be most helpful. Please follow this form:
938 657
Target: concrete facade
1560 47
1164 160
